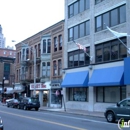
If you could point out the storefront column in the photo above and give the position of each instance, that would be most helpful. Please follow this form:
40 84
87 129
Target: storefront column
128 91
41 98
91 99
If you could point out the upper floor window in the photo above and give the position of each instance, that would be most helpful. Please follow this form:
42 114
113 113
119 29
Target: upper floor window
78 7
59 67
80 30
60 42
48 69
55 44
78 58
43 69
49 46
98 1
46 46
4 52
109 51
111 18
54 68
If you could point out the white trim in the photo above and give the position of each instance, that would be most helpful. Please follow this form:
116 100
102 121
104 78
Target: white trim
108 9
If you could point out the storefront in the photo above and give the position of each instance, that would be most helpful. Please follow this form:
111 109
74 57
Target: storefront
98 88
42 92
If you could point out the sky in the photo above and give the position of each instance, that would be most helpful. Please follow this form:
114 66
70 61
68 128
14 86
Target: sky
21 19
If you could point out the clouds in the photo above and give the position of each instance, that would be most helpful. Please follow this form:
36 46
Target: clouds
21 19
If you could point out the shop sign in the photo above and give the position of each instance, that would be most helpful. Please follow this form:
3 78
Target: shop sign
38 86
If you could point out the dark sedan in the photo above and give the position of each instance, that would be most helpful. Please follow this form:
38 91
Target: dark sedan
1 124
13 103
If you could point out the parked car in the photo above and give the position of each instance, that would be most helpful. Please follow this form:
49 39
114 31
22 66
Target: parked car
7 100
28 103
1 124
13 103
118 111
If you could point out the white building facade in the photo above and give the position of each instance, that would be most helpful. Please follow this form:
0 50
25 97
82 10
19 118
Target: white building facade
2 39
94 85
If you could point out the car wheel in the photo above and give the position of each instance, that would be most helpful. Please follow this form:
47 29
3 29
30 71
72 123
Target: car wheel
7 105
25 108
110 117
18 107
36 109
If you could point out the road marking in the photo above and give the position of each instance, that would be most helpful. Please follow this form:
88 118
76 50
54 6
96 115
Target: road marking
77 118
51 122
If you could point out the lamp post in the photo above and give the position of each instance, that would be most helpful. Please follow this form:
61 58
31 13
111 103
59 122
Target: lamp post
3 88
34 50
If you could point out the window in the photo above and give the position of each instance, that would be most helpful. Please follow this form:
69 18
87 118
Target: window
59 67
98 23
78 7
106 52
106 18
79 30
60 42
55 44
70 34
43 69
70 11
98 1
111 50
110 94
122 14
6 71
55 99
54 68
81 6
114 17
44 46
78 94
111 18
48 69
4 52
76 32
49 46
87 27
78 58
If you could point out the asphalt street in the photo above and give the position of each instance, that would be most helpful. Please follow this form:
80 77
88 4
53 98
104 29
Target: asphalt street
17 119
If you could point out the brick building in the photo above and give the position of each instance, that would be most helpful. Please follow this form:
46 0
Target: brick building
33 56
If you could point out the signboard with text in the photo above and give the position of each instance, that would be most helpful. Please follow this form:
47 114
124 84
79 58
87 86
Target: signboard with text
38 86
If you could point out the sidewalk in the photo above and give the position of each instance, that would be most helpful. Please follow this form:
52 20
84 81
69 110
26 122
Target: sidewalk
73 111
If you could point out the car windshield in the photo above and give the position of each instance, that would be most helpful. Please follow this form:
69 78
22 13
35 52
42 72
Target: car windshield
33 100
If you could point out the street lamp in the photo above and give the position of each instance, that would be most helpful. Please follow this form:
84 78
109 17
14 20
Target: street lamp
3 88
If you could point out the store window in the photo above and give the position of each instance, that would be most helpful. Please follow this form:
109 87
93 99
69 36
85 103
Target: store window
78 94
54 98
111 94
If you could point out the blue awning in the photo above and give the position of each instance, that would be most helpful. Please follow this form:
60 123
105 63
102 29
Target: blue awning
107 77
76 79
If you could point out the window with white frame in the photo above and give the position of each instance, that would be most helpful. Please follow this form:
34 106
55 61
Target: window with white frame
46 45
48 69
43 69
